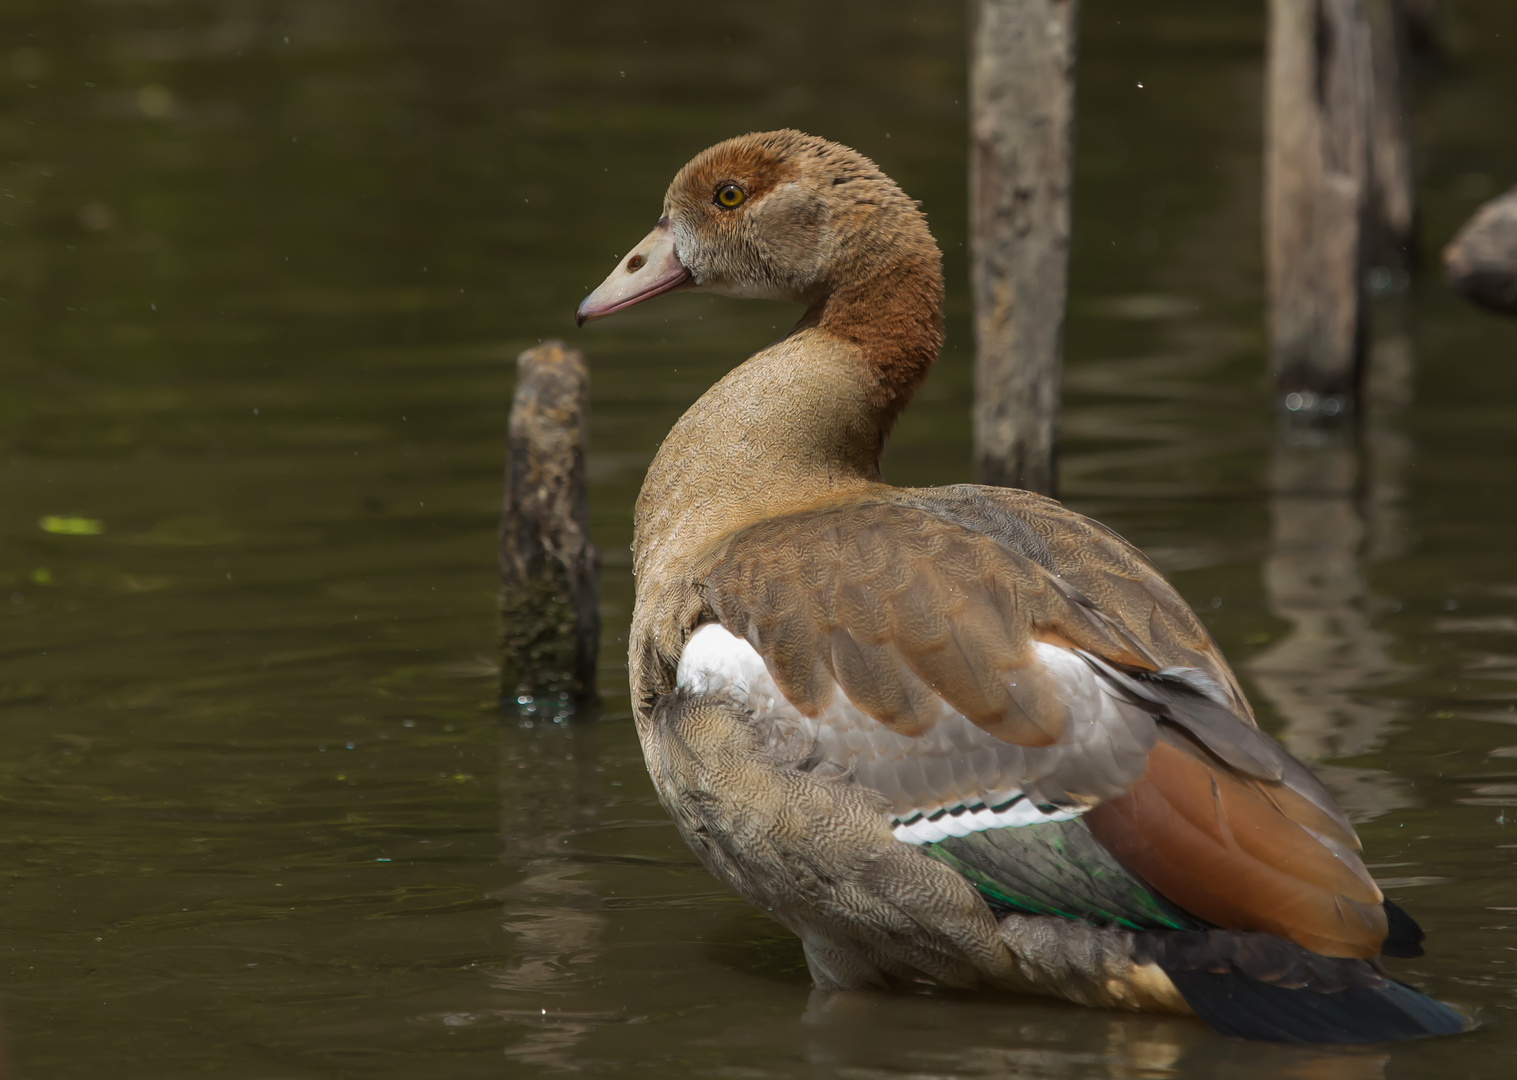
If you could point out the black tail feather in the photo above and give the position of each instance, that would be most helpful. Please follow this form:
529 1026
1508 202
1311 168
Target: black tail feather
1404 937
1258 986
1245 1008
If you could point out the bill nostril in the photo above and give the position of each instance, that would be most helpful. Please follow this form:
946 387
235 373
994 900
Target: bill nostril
635 263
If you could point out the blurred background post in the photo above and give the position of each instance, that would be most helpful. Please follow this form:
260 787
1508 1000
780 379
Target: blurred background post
1318 200
1021 170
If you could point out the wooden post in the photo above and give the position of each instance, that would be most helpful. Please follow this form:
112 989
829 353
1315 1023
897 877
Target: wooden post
549 569
1317 199
1395 190
1022 108
1481 262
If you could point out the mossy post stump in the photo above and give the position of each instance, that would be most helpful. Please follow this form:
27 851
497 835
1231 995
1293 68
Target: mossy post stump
1021 136
549 569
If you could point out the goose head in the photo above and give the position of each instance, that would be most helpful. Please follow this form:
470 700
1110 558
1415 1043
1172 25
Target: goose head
778 215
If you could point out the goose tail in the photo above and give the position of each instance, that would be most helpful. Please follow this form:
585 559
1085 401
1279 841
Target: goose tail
1265 988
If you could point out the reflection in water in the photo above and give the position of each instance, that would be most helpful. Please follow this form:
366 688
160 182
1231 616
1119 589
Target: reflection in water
1025 1038
554 911
877 1036
1336 505
1343 1065
1114 1046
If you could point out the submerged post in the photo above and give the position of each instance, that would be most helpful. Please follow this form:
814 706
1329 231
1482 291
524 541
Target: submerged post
1481 262
1317 200
549 569
1022 108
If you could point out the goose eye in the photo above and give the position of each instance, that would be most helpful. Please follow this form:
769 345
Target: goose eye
730 195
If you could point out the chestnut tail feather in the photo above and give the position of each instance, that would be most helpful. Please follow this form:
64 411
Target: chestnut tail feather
1403 937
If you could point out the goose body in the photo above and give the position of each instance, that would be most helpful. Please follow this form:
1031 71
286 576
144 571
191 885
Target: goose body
958 735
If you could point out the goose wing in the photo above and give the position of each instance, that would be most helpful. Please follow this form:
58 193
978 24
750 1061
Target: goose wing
988 660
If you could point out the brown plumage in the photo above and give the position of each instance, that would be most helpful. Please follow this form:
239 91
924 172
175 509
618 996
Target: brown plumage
1241 853
879 665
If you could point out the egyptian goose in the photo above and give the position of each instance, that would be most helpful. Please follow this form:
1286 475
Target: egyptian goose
956 735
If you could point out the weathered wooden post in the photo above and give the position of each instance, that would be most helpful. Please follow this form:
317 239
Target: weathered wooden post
1022 109
1481 261
1317 200
549 569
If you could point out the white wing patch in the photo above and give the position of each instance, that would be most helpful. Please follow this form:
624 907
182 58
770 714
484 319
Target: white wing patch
716 661
952 780
962 822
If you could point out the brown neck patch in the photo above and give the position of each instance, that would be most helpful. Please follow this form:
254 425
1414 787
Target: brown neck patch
895 318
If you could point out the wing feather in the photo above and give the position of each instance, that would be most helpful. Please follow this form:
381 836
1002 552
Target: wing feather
963 648
1213 843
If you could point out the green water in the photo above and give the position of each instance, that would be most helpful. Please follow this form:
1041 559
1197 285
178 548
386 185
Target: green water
264 270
